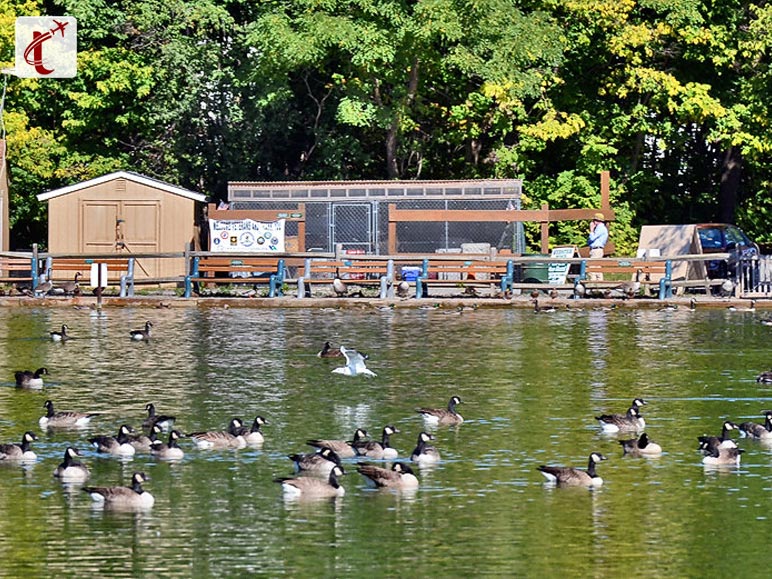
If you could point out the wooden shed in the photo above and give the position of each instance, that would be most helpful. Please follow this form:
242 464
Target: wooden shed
124 212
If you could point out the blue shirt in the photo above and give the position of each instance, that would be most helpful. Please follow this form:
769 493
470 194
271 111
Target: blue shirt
599 237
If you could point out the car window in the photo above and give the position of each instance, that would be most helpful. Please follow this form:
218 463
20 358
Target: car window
734 234
711 238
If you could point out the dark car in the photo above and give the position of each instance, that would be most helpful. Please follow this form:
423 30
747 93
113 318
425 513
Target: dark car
724 238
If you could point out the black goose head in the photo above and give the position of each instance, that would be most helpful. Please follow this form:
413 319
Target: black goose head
26 439
330 455
336 472
123 433
402 468
235 426
136 481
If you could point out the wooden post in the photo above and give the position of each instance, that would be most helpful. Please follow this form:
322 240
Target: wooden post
392 235
545 231
302 228
605 196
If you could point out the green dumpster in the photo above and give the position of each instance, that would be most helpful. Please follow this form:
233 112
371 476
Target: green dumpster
535 271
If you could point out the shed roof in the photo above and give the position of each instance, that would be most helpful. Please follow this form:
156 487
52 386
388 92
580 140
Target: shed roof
128 175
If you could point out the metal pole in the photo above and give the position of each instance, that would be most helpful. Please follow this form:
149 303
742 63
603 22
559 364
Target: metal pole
99 287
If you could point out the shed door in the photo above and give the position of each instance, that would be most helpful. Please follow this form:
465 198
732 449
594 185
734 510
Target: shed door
98 224
122 227
141 233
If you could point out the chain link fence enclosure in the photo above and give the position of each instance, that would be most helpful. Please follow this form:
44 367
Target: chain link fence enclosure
356 214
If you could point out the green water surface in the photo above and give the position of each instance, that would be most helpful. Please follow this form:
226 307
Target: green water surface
530 384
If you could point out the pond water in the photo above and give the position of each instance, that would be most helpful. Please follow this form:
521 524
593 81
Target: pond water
530 384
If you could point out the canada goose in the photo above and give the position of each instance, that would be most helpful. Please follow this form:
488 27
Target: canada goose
319 463
379 450
19 451
423 453
750 308
164 422
64 419
442 416
759 431
71 470
217 439
328 351
144 334
764 377
171 450
569 476
632 420
27 379
61 335
537 309
766 321
254 435
338 285
355 364
709 443
126 497
399 476
692 305
641 446
144 443
119 445
310 487
69 287
44 286
343 448
403 289
722 456
630 289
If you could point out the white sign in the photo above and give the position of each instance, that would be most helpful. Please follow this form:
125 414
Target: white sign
557 272
245 235
46 47
98 277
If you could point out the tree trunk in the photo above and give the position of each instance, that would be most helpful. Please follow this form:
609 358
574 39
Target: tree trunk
392 134
731 171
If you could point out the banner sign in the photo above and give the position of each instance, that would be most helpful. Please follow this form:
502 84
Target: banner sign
244 235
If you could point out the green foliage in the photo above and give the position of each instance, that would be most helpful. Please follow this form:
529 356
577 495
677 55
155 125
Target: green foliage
201 92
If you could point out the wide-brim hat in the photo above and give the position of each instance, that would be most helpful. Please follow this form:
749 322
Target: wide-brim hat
599 217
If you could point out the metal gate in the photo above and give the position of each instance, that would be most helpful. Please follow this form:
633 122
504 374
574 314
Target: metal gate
755 277
352 225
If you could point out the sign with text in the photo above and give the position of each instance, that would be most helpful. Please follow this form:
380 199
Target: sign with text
46 47
244 235
557 272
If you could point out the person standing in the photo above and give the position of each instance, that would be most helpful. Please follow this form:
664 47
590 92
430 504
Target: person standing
597 241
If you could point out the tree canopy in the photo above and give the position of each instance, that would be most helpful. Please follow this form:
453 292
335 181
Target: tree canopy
671 96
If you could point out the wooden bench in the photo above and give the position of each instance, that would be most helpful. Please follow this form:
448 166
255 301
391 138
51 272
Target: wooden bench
120 270
238 270
17 270
353 272
618 273
464 273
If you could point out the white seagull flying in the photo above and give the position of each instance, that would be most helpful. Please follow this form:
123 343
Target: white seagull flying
355 364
